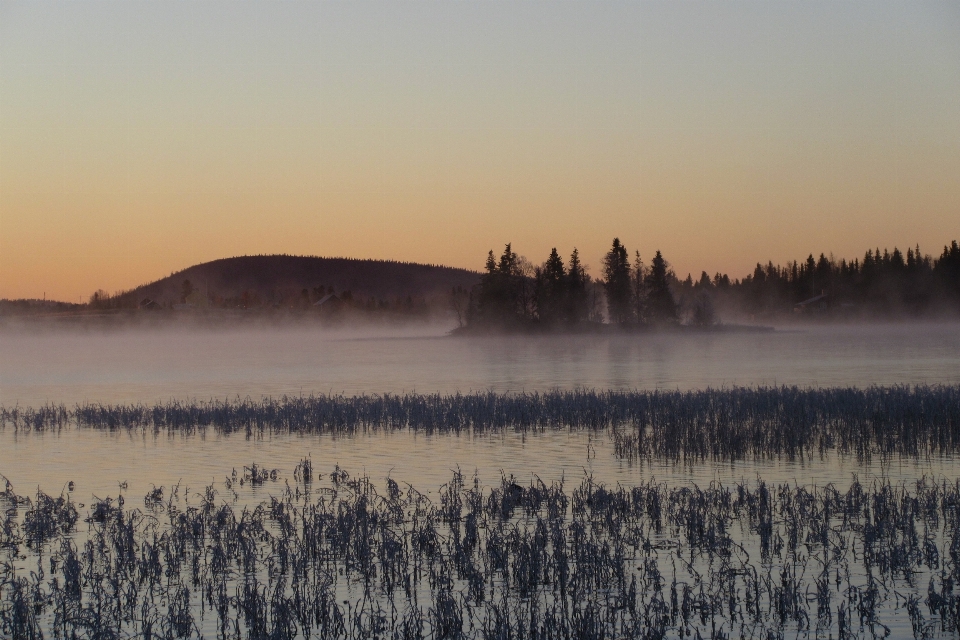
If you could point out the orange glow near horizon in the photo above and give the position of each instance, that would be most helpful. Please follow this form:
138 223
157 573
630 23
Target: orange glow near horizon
137 140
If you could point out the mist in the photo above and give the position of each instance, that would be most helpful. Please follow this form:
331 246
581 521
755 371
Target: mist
151 364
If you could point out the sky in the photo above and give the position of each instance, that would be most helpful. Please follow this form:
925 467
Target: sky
139 138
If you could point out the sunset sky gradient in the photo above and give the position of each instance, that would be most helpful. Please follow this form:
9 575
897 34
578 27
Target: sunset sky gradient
140 138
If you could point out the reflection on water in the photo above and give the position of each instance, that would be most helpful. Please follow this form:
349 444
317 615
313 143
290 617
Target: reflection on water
148 366
298 560
99 461
155 366
151 366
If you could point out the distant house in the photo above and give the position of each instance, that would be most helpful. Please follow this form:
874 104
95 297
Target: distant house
329 302
816 304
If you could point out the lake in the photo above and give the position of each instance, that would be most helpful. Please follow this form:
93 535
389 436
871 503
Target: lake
150 366
155 365
158 365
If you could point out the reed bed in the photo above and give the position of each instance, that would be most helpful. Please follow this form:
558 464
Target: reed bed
718 424
337 557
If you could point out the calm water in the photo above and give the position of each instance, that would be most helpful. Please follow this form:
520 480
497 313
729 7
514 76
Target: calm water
150 366
98 462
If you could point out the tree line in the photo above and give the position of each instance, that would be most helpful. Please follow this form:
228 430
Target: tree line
514 293
882 284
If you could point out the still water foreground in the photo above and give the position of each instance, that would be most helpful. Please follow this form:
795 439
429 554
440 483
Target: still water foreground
758 512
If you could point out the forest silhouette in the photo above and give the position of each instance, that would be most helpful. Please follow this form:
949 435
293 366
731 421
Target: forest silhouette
514 294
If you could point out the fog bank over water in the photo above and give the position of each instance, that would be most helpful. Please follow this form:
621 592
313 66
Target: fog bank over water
157 365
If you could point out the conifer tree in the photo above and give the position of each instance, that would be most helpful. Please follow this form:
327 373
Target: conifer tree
948 268
502 290
639 292
551 289
616 283
662 308
578 304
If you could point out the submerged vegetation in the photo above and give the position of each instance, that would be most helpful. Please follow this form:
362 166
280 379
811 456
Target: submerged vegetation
715 424
337 557
272 553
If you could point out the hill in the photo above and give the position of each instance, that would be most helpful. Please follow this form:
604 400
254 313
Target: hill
276 278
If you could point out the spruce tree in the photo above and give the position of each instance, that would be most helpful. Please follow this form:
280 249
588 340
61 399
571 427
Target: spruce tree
492 288
578 308
662 308
639 292
616 274
551 289
501 290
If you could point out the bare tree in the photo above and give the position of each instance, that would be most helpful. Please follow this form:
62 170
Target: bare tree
460 303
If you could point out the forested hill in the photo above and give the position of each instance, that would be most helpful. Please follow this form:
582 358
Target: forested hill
278 277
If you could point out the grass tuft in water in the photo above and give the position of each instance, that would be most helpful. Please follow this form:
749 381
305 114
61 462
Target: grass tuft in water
345 559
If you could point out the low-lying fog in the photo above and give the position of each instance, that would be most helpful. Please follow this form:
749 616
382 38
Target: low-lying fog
149 365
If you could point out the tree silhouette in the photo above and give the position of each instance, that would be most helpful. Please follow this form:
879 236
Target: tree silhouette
884 283
578 303
703 312
662 308
948 268
639 289
616 283
460 303
550 290
501 300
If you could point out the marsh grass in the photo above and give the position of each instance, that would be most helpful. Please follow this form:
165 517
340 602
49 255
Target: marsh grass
716 424
339 557
272 554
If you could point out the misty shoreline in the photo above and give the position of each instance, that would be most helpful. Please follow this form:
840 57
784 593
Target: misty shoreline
435 326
